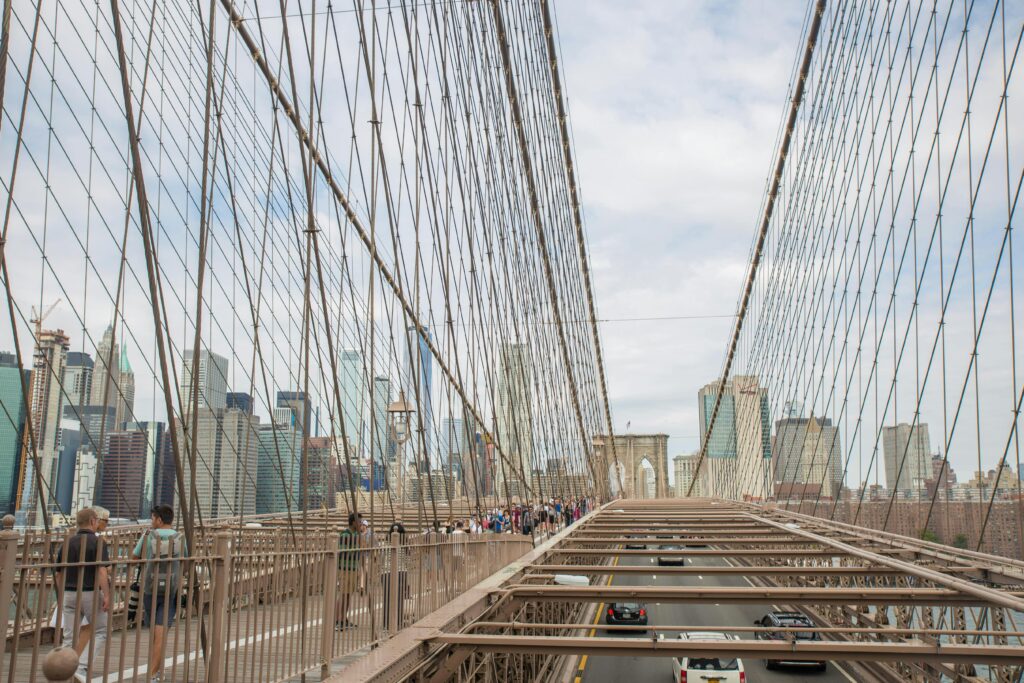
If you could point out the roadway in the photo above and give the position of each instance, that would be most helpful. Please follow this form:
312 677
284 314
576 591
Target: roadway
643 669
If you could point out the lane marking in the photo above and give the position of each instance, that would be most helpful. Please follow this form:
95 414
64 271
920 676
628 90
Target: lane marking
597 617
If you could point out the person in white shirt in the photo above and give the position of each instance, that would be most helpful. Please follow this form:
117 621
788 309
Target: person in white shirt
460 541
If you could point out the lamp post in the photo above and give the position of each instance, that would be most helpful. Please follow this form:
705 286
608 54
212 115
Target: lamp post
398 429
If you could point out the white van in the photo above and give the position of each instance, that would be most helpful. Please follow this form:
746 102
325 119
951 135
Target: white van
721 669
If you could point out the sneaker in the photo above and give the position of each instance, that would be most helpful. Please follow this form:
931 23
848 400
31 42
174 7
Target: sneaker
349 624
339 626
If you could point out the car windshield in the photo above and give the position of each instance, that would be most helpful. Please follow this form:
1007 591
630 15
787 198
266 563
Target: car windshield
797 623
713 664
631 606
670 547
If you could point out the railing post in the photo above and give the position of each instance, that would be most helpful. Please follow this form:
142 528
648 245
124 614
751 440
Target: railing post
330 598
221 584
393 588
8 556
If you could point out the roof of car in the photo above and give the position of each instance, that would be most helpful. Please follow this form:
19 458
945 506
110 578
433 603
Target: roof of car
703 635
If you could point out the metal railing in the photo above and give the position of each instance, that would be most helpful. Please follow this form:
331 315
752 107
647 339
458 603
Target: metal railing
248 605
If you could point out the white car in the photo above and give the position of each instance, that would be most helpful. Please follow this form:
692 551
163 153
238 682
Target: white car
723 669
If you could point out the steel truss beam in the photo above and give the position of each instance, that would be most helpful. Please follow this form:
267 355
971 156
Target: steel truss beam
551 569
917 651
660 628
749 595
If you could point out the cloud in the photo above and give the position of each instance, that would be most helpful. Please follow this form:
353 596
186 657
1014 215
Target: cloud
674 108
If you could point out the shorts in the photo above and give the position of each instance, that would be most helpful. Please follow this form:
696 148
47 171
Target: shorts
348 580
159 610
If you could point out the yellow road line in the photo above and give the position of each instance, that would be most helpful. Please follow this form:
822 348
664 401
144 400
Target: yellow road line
597 617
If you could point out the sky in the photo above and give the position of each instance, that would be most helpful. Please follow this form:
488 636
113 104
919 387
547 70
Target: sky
674 134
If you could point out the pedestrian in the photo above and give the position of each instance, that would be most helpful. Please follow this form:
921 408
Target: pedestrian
102 518
399 556
349 541
460 541
162 548
83 572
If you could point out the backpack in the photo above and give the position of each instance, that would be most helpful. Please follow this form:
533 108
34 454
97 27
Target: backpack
163 570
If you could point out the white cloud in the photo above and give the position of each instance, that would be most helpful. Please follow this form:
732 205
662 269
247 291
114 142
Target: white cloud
675 108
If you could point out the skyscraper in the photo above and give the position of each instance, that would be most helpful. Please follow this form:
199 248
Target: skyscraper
684 467
911 446
321 472
122 483
419 364
739 448
803 451
353 397
84 485
514 425
45 400
239 401
78 374
105 383
158 475
279 466
379 419
84 436
296 403
78 378
453 440
126 391
212 379
226 463
12 426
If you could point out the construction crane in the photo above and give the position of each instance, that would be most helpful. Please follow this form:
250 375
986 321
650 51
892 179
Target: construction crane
38 317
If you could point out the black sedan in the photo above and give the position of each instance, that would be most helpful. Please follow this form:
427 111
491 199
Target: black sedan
788 620
625 614
677 560
634 544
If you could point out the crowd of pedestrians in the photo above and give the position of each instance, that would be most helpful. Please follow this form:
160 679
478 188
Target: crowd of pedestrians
438 553
84 569
545 517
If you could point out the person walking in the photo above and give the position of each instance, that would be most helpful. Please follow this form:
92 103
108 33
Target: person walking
400 557
83 581
459 543
349 542
162 548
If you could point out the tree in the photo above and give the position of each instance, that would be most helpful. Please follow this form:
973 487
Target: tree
960 541
930 536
